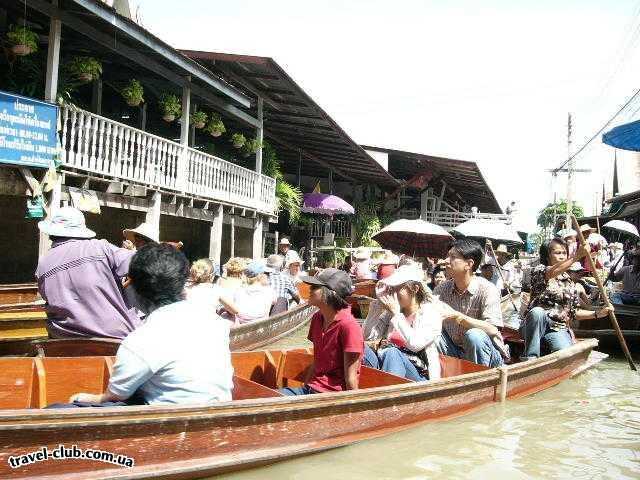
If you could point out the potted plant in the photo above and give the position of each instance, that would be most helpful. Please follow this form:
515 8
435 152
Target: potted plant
238 140
215 127
23 40
133 93
251 146
85 69
170 106
198 119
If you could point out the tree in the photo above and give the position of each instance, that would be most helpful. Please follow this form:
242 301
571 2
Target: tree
548 216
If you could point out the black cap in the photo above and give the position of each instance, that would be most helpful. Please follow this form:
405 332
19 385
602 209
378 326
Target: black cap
337 280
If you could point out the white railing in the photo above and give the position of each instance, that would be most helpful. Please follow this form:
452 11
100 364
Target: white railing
340 228
102 146
453 219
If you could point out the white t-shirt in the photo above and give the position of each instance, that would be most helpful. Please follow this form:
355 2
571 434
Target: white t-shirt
205 294
254 302
178 356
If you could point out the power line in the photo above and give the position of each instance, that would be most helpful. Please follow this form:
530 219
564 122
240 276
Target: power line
599 131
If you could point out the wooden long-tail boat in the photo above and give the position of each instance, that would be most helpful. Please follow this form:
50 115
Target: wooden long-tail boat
628 318
260 426
243 337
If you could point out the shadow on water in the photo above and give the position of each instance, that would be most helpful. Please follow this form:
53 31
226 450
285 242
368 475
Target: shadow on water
587 427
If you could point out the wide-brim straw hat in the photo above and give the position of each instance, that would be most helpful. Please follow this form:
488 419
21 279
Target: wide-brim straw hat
295 258
66 222
502 248
362 254
586 228
284 241
144 230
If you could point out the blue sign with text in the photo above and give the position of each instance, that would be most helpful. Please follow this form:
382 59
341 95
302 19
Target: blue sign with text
27 131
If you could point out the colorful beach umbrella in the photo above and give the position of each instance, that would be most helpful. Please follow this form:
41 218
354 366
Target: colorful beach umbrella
326 204
417 238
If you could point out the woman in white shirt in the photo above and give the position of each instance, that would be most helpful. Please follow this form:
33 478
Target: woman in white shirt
203 291
255 299
405 324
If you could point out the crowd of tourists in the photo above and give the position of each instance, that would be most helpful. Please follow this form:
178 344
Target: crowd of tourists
174 318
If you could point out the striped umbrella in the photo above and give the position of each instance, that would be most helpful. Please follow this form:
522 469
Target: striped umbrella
415 237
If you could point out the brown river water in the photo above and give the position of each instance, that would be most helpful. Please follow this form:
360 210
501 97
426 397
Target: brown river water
587 427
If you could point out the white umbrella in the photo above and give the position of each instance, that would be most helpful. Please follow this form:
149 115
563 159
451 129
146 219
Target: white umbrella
489 229
417 238
622 226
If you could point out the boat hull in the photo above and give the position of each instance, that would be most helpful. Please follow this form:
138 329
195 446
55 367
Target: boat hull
196 441
244 337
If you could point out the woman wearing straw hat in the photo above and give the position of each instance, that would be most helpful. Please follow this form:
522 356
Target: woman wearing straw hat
293 267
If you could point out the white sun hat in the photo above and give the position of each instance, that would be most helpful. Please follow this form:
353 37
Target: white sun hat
66 222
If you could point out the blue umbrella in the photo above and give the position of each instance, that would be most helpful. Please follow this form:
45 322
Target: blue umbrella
624 137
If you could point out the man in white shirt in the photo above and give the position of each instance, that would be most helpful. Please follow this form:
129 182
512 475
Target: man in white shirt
179 355
285 251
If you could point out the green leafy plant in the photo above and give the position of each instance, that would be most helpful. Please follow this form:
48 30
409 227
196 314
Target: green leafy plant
23 40
133 93
549 215
238 140
170 107
85 69
252 145
289 198
215 126
198 119
367 223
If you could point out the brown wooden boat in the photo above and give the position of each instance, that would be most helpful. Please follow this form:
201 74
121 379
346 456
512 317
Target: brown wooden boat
628 318
244 337
260 426
13 293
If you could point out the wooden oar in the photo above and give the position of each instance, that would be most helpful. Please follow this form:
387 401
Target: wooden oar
493 253
603 293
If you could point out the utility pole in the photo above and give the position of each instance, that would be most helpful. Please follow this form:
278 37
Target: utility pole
570 166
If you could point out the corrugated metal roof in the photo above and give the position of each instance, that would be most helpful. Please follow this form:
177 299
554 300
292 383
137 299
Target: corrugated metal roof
294 121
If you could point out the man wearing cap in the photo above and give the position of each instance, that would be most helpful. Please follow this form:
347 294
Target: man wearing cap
80 278
338 345
281 284
284 247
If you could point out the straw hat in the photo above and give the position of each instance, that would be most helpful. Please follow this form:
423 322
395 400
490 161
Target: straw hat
144 230
235 265
586 228
274 262
66 222
502 248
284 241
362 254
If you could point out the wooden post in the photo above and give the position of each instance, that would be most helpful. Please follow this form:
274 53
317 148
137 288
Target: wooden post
143 117
257 238
53 58
260 135
153 213
96 97
215 236
504 376
276 240
605 297
184 136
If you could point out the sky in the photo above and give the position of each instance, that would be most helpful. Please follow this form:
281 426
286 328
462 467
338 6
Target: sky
481 80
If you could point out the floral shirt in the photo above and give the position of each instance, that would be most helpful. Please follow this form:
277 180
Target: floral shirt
558 296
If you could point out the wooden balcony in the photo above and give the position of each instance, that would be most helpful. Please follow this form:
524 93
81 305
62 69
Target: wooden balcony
99 146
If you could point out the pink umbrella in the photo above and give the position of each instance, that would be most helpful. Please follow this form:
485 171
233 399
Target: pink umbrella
326 204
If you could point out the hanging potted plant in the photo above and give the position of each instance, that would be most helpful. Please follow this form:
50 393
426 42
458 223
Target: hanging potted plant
170 107
198 119
85 69
23 40
133 93
238 140
251 146
215 127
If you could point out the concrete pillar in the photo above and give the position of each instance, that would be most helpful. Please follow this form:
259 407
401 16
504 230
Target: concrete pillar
51 207
260 134
215 237
53 58
276 239
232 224
257 238
153 213
184 135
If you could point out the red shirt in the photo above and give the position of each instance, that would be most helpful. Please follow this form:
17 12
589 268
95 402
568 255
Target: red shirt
385 270
342 335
